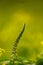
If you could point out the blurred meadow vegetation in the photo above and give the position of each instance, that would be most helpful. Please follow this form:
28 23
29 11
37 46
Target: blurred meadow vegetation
13 15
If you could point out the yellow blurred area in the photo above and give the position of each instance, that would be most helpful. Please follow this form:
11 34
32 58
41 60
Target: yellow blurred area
41 42
3 64
21 17
2 51
7 32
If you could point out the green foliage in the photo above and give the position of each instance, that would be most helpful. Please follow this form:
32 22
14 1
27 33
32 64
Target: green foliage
39 61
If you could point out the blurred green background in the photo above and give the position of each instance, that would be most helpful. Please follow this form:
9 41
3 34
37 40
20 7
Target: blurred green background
13 15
